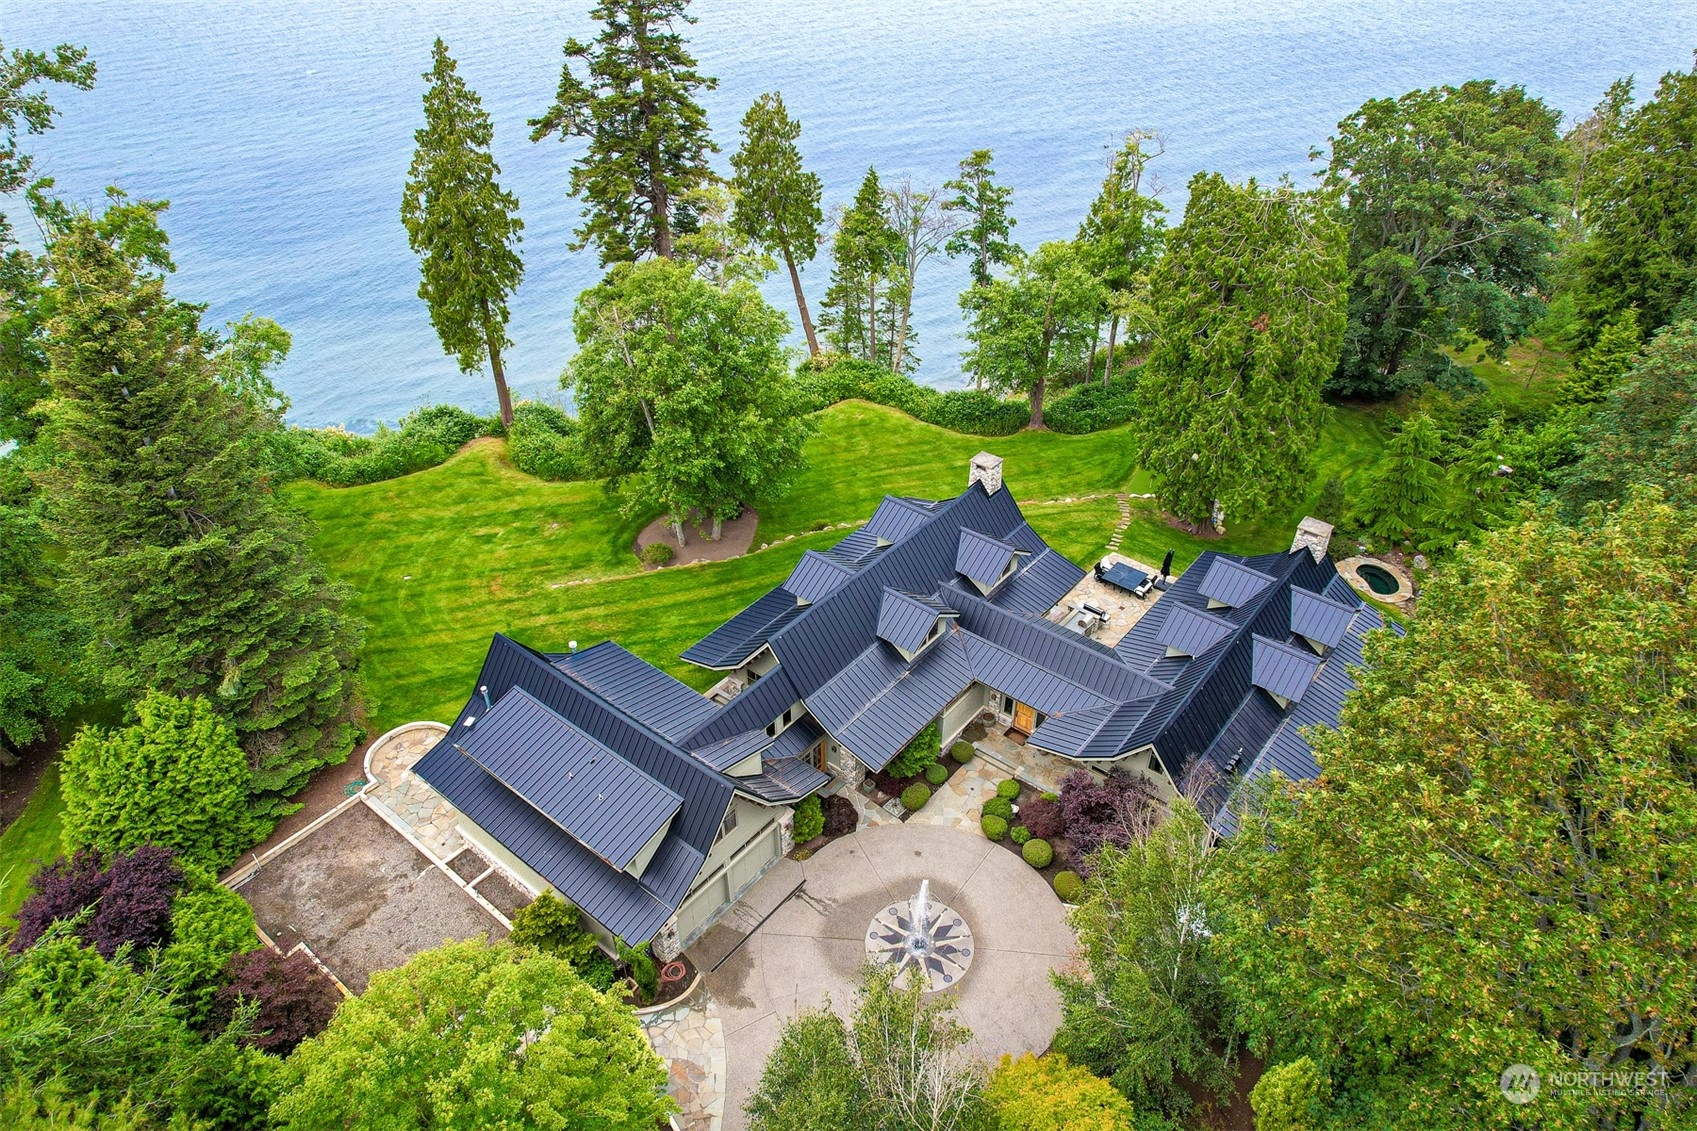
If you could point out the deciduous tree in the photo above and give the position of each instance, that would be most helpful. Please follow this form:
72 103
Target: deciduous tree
648 137
924 226
463 225
777 201
1121 238
192 578
1453 195
1248 314
473 1035
1038 320
684 395
1495 866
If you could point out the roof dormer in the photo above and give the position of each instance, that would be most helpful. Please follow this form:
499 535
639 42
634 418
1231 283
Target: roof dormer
1230 584
985 561
1282 671
1320 622
910 623
1191 632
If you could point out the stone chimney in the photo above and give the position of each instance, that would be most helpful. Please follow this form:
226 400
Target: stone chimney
1314 536
987 469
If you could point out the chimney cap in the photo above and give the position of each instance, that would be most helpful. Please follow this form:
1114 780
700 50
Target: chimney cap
1314 535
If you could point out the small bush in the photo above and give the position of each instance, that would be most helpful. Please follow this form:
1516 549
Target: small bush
295 1000
551 925
1102 812
1038 854
915 796
130 899
655 554
962 752
599 971
994 827
999 807
841 817
1008 789
809 819
923 750
640 965
543 442
1043 818
1019 834
1047 795
1069 886
936 773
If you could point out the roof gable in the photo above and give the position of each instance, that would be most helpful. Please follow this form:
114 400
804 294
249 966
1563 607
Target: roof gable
983 560
1232 583
816 576
1282 670
907 621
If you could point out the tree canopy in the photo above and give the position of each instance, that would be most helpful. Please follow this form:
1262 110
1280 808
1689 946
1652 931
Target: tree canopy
1048 1094
473 1035
866 262
648 136
684 396
1121 238
1495 866
985 235
1248 315
1452 198
463 225
777 201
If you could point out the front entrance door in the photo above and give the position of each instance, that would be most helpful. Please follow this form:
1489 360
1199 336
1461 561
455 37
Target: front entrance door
1024 718
818 754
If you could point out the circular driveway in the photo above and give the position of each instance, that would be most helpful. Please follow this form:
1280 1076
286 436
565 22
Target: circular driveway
813 946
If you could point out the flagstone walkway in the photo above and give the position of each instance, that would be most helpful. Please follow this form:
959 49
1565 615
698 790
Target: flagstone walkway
431 819
691 1040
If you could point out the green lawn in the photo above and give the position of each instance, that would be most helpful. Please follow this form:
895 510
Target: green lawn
440 560
33 837
1528 377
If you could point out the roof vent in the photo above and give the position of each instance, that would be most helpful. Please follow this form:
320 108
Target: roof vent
986 469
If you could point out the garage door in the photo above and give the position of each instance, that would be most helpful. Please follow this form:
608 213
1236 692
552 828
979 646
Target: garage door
759 852
703 905
717 893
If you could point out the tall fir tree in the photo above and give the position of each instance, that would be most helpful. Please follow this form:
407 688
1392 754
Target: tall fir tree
865 260
1405 494
777 201
1121 237
985 235
1248 312
463 226
191 577
1600 368
648 136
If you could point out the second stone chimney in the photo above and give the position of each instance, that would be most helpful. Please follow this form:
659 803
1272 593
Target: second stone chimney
1312 535
987 469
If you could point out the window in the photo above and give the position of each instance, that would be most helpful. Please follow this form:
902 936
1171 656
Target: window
771 729
1155 764
730 821
787 714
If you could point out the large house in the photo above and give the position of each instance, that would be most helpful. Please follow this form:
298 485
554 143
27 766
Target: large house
653 807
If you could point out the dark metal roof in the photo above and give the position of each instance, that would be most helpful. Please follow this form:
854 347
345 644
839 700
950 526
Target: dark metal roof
982 559
855 550
629 906
1042 581
1279 668
1319 619
639 689
1052 648
816 576
1192 631
763 701
897 517
733 642
906 621
878 702
1095 732
1027 680
605 803
1232 583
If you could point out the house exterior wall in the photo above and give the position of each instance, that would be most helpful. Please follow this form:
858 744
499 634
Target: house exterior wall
961 712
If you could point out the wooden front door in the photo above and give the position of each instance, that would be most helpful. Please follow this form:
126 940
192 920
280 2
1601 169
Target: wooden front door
1024 718
818 752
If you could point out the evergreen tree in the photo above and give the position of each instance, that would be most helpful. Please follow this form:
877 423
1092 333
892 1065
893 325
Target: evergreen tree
192 578
984 235
1600 368
464 228
1480 482
1638 205
38 639
1404 494
777 201
1121 238
1452 198
1248 314
648 137
865 267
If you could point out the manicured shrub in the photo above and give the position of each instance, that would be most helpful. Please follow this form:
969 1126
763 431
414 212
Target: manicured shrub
964 410
1288 1096
1103 812
1069 886
994 827
1008 788
1038 854
1019 834
1047 795
426 437
1043 818
999 807
962 752
295 999
1049 1094
655 554
923 750
841 817
131 899
936 773
553 926
915 796
210 925
175 778
809 819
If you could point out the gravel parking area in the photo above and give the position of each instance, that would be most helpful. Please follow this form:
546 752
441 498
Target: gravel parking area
362 898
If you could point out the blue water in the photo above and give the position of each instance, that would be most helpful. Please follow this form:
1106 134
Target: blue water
281 133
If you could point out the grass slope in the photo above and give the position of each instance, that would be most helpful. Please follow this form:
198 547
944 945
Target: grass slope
440 560
31 839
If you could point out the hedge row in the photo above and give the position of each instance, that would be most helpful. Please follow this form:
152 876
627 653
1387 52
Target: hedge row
425 438
543 442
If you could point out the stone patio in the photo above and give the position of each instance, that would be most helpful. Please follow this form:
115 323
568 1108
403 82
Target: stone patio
387 764
1028 764
1122 608
690 1038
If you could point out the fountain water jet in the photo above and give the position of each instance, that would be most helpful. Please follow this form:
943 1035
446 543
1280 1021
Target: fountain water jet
931 938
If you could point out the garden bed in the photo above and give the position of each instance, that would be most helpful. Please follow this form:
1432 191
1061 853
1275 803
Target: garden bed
841 819
1062 861
671 989
735 538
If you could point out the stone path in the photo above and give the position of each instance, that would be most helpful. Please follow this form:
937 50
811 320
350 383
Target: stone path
690 1038
1125 521
959 802
431 819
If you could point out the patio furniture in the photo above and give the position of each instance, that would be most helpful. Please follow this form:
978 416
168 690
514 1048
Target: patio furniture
1122 576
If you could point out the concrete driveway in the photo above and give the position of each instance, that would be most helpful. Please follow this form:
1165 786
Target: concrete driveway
813 946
